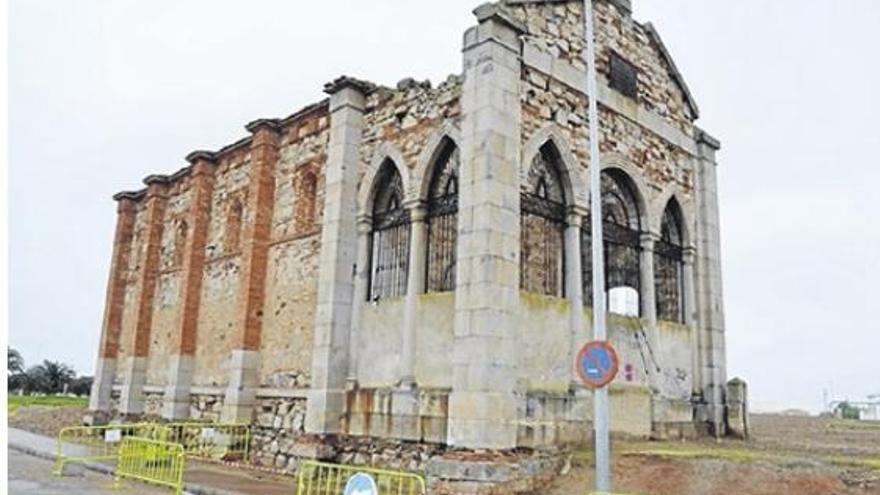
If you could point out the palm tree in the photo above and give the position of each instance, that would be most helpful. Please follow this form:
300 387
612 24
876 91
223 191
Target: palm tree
51 377
15 363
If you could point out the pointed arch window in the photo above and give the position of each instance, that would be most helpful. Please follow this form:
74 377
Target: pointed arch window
442 221
389 237
669 266
622 246
542 258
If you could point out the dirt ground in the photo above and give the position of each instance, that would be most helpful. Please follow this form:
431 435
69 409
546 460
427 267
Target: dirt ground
46 420
787 455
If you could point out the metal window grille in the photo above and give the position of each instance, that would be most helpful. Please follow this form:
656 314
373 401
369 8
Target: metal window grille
669 269
622 238
622 258
390 238
623 76
542 250
442 222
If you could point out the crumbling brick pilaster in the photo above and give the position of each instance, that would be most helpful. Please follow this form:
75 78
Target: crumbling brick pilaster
255 238
146 284
116 285
202 177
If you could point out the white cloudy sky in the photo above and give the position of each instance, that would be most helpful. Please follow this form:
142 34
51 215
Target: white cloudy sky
104 92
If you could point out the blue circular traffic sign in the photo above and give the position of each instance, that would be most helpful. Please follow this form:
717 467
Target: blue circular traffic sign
361 484
597 364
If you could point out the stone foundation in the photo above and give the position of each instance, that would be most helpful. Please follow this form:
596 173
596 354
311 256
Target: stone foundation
205 407
412 415
280 423
492 474
555 419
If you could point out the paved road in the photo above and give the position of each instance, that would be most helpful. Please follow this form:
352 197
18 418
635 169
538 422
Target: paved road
32 476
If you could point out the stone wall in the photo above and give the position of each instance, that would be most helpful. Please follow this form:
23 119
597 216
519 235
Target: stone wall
166 305
152 405
404 119
558 28
464 473
660 163
418 415
291 275
205 407
279 425
220 286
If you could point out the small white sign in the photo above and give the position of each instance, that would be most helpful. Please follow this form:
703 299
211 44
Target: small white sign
113 436
208 433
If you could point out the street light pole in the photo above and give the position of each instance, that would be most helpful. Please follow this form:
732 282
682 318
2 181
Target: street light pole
600 395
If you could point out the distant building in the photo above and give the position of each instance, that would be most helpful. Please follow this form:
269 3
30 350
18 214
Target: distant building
800 413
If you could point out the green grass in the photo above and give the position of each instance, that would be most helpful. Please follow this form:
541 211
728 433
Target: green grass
740 455
17 401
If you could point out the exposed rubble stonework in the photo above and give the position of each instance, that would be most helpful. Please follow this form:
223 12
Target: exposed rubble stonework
412 263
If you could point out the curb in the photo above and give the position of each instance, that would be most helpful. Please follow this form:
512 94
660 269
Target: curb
188 488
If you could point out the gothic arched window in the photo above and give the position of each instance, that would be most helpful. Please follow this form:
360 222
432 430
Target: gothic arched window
442 221
669 266
389 261
621 229
542 259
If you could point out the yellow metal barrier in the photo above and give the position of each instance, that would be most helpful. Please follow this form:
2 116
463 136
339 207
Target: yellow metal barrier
151 461
318 478
228 442
81 444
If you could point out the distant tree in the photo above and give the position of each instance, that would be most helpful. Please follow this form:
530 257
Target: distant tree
35 380
81 386
847 411
14 361
15 382
49 377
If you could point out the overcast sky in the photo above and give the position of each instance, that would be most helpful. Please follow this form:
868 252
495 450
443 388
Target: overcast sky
105 92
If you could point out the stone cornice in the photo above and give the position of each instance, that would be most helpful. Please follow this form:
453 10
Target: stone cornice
704 137
130 195
201 155
497 12
346 82
157 179
270 124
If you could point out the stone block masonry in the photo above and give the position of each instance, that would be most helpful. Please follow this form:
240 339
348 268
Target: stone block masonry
244 287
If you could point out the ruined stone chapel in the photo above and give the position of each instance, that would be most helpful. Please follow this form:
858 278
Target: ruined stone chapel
413 262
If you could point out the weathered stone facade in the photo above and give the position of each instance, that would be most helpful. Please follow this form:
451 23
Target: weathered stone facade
242 286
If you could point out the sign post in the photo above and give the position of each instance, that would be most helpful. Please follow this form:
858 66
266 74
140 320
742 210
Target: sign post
600 395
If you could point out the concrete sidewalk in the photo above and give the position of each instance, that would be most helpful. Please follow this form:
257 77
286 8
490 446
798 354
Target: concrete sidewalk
199 478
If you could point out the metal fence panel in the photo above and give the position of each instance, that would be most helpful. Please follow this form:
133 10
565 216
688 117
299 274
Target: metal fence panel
151 461
80 444
318 478
227 442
